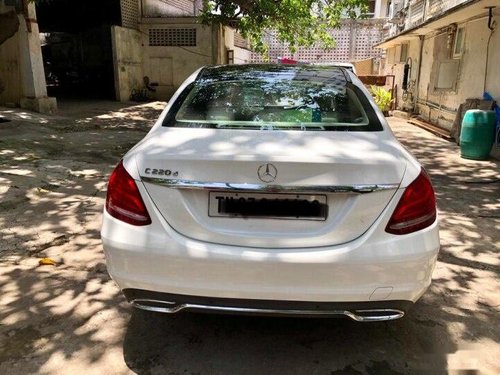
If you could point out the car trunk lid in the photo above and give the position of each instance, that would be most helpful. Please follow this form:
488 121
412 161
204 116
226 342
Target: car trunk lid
189 173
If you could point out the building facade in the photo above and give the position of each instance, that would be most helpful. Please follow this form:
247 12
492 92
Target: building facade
112 49
442 52
22 78
164 41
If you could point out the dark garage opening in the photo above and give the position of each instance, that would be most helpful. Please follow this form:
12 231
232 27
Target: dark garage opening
77 48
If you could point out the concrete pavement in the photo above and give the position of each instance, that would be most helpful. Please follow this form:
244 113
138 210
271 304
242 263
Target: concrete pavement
71 318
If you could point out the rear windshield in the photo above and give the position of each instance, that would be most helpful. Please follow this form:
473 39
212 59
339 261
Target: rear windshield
274 103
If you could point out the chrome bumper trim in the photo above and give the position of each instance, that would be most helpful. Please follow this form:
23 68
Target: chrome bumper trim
229 186
368 315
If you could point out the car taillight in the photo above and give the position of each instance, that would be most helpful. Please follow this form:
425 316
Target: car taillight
416 209
123 200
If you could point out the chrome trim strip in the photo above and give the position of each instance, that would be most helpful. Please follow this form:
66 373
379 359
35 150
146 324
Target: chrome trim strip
372 315
229 186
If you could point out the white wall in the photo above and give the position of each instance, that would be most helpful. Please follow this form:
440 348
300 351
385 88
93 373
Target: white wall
170 66
127 60
10 75
476 39
394 66
241 55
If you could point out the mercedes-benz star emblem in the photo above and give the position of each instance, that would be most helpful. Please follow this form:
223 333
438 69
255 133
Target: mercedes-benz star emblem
267 172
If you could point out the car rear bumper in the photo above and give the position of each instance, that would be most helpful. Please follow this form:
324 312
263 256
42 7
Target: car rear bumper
358 311
377 267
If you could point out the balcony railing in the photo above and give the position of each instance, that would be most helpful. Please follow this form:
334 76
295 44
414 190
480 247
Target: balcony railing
437 7
411 13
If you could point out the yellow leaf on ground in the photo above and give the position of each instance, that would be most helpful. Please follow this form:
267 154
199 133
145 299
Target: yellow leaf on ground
46 262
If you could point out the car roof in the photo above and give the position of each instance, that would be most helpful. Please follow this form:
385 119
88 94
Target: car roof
340 64
345 65
252 72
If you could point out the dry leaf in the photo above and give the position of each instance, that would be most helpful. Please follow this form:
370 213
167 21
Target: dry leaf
46 262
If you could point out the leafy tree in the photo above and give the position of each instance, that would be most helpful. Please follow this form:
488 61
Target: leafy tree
296 22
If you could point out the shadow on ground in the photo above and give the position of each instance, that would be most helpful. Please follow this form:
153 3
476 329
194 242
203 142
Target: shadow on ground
203 344
53 173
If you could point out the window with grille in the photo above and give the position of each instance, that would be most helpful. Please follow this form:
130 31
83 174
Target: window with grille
129 13
172 37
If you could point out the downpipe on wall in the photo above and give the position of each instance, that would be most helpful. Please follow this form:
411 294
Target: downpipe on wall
492 26
416 88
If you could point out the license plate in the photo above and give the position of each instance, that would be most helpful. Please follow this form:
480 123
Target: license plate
268 206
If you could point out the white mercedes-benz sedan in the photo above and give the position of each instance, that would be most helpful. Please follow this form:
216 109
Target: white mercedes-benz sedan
268 189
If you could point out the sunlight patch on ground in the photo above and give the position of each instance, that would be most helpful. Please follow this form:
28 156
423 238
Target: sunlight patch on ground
84 172
17 172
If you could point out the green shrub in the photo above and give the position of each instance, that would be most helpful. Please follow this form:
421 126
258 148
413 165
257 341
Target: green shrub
383 97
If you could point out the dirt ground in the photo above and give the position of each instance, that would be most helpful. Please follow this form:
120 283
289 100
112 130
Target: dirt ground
72 319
